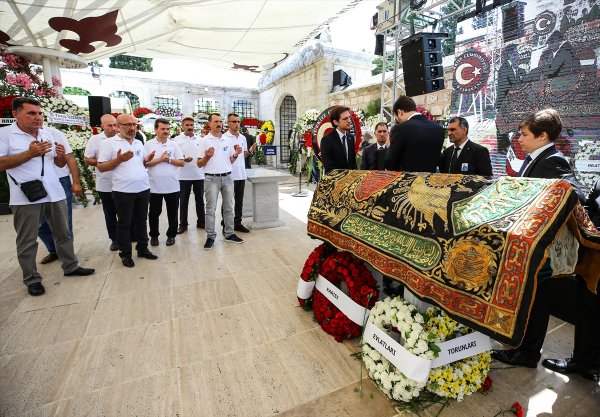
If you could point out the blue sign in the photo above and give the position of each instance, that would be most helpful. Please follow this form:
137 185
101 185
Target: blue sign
270 150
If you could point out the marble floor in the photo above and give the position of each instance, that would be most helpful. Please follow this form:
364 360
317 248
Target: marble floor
210 334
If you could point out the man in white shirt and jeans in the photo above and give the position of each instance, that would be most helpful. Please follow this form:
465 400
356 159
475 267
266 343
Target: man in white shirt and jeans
104 179
215 155
238 170
126 158
163 171
28 152
191 176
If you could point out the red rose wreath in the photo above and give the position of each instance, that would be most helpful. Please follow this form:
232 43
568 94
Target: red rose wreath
310 272
343 268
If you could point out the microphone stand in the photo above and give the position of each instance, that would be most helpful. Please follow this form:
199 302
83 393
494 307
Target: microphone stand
300 193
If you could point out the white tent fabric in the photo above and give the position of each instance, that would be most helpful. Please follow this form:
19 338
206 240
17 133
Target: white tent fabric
248 34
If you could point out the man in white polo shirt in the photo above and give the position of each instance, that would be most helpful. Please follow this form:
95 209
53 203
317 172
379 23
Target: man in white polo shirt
71 188
190 176
163 171
125 157
216 154
28 153
104 179
238 170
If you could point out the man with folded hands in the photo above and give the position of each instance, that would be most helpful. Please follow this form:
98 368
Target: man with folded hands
29 151
125 157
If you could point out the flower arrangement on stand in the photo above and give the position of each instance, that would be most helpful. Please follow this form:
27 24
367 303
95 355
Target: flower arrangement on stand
168 112
303 129
18 77
461 378
268 133
395 315
344 270
141 112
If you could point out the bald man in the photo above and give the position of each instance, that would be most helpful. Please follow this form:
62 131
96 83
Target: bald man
126 158
109 126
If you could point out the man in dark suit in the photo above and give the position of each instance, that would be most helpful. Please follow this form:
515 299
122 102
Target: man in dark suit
373 156
508 76
464 157
416 142
337 147
566 298
564 61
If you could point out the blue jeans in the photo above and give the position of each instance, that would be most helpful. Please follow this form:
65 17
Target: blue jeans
212 186
44 232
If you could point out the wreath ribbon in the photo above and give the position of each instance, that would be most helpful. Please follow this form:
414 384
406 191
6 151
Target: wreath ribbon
354 311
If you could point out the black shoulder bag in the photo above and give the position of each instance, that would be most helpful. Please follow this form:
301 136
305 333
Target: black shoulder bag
33 190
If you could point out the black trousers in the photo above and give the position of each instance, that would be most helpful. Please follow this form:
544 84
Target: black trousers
238 198
172 201
184 199
132 209
110 214
569 300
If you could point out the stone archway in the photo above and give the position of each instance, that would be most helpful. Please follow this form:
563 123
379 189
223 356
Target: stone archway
287 118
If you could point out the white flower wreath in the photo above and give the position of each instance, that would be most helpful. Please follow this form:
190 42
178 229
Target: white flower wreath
397 314
460 378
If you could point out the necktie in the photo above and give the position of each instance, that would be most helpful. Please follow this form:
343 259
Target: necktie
380 159
345 143
524 166
454 158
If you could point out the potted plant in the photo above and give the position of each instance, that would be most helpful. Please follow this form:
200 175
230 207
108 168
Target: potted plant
4 193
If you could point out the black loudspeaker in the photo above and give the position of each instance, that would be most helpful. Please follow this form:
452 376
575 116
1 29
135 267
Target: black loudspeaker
379 41
99 106
341 78
422 64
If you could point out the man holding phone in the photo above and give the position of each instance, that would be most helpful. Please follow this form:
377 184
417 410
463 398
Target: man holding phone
28 152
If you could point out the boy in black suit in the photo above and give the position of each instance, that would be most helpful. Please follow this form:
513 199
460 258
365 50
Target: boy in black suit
565 298
464 157
337 147
416 143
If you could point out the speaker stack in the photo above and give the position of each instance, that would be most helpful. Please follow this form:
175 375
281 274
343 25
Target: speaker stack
422 63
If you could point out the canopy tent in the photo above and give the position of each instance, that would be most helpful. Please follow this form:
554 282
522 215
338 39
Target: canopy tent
253 35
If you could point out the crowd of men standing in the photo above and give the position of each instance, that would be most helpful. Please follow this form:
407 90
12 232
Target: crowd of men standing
132 179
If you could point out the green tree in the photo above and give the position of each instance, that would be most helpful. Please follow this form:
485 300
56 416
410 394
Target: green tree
449 25
134 63
378 61
76 91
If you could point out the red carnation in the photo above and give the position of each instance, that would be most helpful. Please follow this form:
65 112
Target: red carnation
517 409
487 385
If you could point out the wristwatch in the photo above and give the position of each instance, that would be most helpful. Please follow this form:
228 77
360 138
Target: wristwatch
169 160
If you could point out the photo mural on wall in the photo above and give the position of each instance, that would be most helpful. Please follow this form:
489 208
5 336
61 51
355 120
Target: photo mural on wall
523 57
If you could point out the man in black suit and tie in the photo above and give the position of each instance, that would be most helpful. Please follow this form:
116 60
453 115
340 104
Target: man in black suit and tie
566 298
337 147
373 156
464 157
416 141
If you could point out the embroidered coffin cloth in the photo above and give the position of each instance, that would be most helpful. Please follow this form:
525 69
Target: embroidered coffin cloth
470 245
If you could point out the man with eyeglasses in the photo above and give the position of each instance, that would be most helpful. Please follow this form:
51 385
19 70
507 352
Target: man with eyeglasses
238 170
126 158
104 179
373 156
28 153
216 155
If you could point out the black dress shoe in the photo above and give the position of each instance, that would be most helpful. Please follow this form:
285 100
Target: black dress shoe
80 271
154 241
569 366
181 229
51 257
114 246
241 228
147 254
36 289
128 262
170 241
514 357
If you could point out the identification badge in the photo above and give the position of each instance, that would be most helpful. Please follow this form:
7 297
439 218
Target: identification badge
138 152
464 167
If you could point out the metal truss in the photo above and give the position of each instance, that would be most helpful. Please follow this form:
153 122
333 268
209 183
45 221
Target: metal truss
407 23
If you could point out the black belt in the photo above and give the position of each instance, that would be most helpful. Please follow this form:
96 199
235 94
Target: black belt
219 175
